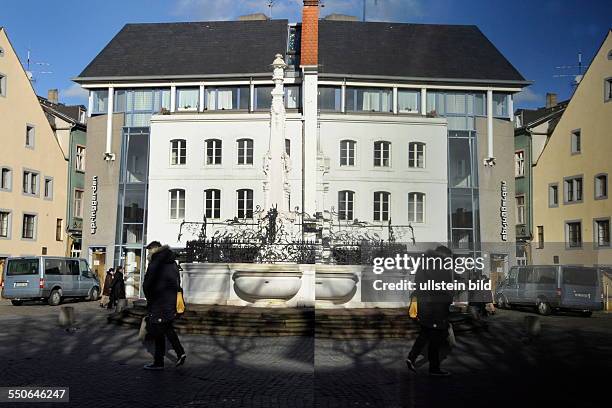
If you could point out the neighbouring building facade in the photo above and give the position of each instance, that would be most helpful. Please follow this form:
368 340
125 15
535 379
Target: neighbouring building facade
533 127
33 168
572 207
376 127
69 125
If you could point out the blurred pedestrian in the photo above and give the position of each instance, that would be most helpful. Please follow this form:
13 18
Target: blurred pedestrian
161 286
106 289
117 288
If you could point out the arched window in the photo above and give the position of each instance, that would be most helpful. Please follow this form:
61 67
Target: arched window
345 204
416 155
347 152
245 151
213 151
178 152
381 205
212 203
245 203
416 207
177 204
382 154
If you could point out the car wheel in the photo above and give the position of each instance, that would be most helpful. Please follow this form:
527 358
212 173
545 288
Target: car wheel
94 294
55 298
586 314
543 308
17 302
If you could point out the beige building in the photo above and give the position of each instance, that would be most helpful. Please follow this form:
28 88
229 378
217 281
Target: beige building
572 206
34 170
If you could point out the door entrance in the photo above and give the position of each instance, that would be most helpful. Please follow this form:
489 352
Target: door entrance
97 257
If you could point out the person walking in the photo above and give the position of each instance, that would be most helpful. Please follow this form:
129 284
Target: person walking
432 315
161 285
106 290
117 288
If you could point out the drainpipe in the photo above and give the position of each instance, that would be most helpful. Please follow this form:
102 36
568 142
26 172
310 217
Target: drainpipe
108 154
490 159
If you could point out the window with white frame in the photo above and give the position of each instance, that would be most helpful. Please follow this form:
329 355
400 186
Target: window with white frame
177 204
245 203
330 98
178 152
602 232
245 151
576 142
345 205
213 151
601 186
2 85
4 224
408 101
99 101
573 189
416 207
48 188
416 155
212 203
288 147
29 136
500 105
381 205
520 209
519 163
78 203
368 100
30 182
573 232
263 97
28 230
187 99
292 96
382 154
347 152
228 98
553 195
6 178
79 162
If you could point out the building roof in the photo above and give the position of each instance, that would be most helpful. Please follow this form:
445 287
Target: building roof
190 49
69 113
535 117
412 51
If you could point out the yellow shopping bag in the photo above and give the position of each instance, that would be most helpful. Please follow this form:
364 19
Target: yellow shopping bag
413 308
180 302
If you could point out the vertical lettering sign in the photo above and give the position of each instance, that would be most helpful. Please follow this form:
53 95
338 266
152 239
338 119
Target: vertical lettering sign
94 205
503 211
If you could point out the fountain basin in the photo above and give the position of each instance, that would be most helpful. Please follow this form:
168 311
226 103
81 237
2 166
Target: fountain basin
335 286
261 283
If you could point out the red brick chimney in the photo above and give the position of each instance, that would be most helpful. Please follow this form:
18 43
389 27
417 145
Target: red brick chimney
310 33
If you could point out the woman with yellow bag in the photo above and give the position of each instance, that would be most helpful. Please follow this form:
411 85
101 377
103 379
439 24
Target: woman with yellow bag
162 289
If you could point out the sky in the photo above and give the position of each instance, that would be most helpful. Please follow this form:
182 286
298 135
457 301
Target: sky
537 36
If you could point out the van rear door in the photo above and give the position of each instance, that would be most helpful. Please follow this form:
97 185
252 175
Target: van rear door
22 278
580 287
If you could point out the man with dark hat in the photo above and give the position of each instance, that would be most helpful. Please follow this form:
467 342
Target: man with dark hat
161 285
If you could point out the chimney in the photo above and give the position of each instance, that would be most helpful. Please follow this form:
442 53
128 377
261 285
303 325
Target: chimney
310 33
53 96
253 17
551 100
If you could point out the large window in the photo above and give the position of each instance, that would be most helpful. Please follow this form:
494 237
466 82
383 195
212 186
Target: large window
573 189
573 233
263 97
347 152
382 154
416 155
576 142
212 203
330 98
6 179
368 100
99 101
178 152
520 209
245 151
416 207
79 162
245 203
187 99
30 182
226 98
213 151
345 205
4 224
292 97
519 163
500 105
408 101
601 186
602 233
28 230
381 205
177 204
78 203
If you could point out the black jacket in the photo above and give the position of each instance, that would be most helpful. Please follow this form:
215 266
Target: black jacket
117 287
161 284
433 306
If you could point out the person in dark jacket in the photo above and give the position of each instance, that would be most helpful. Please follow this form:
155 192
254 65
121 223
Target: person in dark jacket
433 312
161 285
117 288
106 288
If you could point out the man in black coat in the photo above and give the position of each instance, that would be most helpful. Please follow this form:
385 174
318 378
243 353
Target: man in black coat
432 314
161 285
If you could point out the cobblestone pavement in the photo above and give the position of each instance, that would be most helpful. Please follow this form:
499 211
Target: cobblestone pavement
102 365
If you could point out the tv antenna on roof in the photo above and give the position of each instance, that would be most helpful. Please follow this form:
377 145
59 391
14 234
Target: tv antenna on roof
577 77
365 8
270 5
30 73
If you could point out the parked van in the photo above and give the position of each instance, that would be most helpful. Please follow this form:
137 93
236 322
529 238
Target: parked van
48 278
552 287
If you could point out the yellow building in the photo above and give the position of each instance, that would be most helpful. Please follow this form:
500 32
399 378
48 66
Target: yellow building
572 206
34 170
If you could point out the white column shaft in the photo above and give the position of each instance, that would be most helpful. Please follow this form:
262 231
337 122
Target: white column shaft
109 120
490 123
